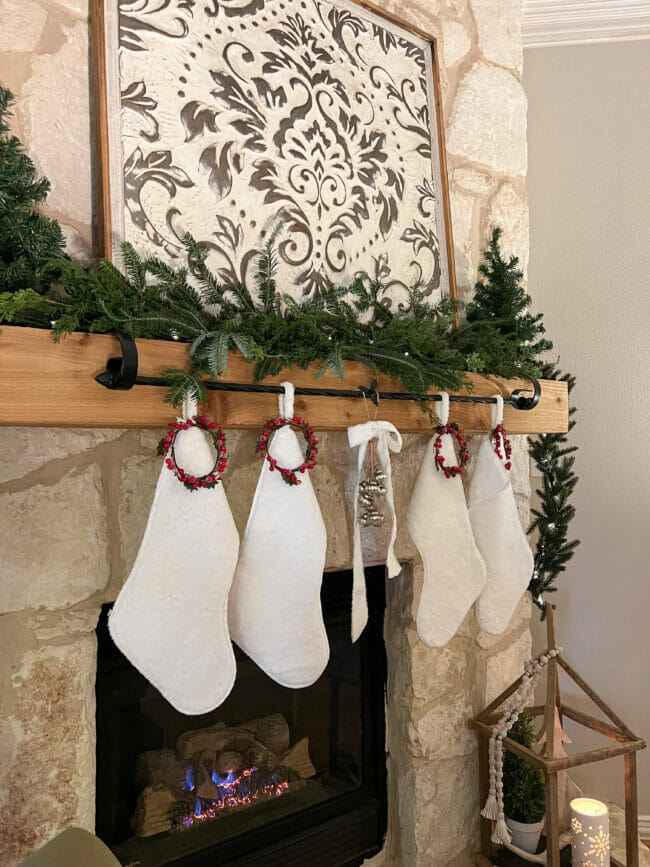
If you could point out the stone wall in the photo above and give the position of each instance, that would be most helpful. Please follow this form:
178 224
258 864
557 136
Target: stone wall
74 503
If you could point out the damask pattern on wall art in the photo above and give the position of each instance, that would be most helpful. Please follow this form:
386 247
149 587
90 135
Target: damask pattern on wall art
227 115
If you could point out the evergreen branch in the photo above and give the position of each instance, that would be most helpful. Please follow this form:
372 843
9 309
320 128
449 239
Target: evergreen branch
553 549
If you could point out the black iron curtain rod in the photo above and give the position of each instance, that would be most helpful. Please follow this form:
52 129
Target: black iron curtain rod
122 373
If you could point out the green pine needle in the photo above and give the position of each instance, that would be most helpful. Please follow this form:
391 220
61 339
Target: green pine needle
29 242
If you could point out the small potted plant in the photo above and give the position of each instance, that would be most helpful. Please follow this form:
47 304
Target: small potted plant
524 792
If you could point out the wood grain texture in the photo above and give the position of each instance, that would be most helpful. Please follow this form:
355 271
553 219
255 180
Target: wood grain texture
52 385
631 812
103 228
598 755
594 724
510 745
552 829
484 790
598 701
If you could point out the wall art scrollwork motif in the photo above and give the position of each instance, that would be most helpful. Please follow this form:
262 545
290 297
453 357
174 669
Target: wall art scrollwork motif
226 114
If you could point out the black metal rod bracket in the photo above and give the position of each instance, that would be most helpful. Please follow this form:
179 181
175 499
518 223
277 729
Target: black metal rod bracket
122 373
518 397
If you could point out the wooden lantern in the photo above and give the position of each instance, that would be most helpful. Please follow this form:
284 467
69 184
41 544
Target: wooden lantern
552 760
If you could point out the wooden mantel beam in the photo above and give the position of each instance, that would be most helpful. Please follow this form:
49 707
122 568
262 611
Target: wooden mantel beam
43 384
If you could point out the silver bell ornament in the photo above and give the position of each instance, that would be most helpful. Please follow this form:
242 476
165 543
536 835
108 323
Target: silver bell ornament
371 489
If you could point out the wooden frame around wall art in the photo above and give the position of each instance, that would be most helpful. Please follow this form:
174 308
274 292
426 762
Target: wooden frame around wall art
107 223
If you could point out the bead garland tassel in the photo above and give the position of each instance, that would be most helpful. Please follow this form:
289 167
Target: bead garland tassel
513 708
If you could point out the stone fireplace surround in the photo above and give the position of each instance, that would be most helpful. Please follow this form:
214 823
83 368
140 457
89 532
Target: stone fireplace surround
71 527
74 503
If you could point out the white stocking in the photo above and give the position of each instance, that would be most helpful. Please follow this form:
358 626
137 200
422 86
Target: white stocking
437 519
499 536
275 608
170 618
388 440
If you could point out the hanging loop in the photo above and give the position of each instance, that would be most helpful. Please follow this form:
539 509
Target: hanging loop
121 372
519 398
443 412
496 411
285 400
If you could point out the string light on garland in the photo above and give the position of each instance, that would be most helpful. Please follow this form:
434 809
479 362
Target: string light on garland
463 455
166 449
290 476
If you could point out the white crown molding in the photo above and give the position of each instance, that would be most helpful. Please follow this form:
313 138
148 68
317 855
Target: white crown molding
644 827
575 22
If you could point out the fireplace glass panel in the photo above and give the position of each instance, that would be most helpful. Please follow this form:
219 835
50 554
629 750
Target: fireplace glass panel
274 775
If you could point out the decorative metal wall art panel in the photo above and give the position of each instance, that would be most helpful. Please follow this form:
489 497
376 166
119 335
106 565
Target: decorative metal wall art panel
226 115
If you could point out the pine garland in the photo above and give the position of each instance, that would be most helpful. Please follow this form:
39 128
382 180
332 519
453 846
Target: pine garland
555 461
415 342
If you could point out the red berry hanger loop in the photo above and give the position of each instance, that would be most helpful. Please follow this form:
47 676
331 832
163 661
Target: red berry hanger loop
463 456
166 448
290 476
499 440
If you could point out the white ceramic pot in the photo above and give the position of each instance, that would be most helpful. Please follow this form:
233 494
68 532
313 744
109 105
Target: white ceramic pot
525 836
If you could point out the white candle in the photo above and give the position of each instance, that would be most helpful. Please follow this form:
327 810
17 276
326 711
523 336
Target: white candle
589 833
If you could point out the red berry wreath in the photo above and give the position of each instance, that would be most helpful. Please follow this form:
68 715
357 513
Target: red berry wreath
463 457
288 475
499 439
166 447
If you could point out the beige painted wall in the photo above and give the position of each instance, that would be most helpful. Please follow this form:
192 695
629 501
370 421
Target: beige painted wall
588 135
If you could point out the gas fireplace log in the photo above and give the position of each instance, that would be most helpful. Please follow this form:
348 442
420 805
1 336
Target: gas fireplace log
252 751
228 762
213 738
272 731
160 766
299 760
154 810
203 786
259 780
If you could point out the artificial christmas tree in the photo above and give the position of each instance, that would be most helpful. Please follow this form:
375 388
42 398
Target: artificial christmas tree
28 241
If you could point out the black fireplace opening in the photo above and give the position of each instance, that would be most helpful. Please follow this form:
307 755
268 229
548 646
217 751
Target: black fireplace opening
274 776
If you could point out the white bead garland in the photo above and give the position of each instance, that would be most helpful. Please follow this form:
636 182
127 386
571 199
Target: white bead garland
513 708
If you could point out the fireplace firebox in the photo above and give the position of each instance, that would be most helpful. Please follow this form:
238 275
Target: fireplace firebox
274 776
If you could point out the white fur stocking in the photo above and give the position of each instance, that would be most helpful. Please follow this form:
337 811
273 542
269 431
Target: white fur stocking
170 618
437 519
499 536
275 608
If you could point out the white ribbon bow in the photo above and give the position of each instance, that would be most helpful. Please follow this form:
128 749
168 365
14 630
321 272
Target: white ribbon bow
388 440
